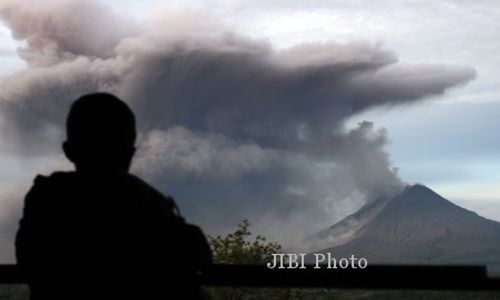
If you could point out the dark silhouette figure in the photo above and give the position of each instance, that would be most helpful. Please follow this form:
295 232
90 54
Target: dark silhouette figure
100 232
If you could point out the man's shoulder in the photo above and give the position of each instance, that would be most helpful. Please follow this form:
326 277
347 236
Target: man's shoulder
46 188
151 197
145 188
56 178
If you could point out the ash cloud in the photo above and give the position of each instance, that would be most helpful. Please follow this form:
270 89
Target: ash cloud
230 126
58 30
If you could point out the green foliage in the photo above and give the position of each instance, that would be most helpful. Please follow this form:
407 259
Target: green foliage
238 248
235 248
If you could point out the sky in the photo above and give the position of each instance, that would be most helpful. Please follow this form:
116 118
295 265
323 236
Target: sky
415 88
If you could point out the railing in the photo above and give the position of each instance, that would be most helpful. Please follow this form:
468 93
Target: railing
372 277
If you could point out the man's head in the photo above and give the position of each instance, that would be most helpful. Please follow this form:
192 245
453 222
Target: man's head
100 133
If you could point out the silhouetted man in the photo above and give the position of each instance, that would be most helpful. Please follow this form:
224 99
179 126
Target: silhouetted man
100 232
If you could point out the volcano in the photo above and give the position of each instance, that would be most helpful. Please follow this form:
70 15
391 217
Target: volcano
416 226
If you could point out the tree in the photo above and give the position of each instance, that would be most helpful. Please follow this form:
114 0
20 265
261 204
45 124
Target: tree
237 248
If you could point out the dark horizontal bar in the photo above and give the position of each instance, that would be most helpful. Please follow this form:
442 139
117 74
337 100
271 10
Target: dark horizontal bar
11 274
372 277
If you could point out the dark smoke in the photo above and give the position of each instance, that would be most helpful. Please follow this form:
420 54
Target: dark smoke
232 127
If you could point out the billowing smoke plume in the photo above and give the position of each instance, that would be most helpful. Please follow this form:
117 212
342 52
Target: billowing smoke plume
230 126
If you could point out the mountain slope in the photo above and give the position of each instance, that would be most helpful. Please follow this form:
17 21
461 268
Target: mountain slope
345 230
419 226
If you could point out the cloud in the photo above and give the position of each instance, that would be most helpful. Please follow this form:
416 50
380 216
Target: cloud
281 191
230 125
180 153
59 30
